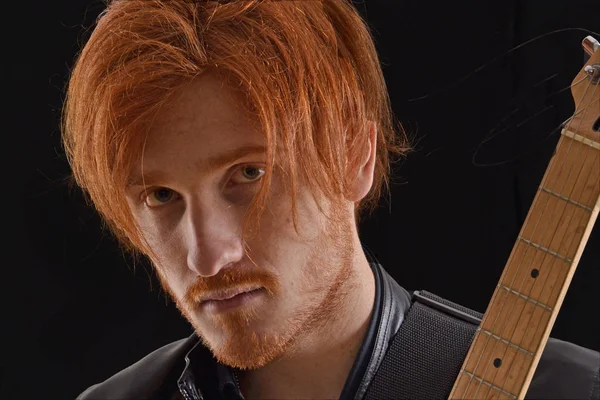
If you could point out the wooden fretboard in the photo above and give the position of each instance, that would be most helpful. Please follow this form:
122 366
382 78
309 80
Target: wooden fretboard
511 337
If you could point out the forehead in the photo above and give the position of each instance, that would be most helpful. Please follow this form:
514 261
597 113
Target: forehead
205 111
204 118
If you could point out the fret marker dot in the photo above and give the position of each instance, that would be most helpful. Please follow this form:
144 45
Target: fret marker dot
497 363
535 273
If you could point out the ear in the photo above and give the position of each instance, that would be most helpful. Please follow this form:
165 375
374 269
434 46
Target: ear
363 175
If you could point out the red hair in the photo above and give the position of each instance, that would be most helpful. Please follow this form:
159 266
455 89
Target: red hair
308 70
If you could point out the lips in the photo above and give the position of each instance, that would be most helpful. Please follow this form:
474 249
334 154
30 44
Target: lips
226 301
226 294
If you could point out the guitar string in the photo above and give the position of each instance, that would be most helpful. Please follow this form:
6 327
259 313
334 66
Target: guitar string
502 306
496 131
545 255
483 351
497 58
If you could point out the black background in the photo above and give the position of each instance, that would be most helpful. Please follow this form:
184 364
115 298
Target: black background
75 308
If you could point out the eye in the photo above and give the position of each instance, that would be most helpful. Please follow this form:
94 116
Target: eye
159 197
247 174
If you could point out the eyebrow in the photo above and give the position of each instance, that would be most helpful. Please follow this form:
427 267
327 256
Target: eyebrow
209 165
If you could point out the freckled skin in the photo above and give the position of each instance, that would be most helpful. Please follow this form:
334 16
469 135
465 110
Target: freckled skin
313 280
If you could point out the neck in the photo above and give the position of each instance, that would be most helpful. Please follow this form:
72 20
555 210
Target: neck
318 364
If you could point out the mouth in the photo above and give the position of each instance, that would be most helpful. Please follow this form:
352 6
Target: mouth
226 301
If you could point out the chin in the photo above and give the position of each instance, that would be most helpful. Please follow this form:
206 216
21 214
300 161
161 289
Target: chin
246 347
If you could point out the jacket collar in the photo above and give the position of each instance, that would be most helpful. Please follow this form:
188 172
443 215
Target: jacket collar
391 304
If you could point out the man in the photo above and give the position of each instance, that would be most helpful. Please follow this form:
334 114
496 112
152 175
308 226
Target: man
235 144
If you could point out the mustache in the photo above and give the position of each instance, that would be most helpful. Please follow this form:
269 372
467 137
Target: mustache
227 279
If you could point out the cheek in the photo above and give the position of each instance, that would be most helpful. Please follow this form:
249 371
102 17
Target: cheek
167 281
167 261
158 231
279 217
291 255
167 251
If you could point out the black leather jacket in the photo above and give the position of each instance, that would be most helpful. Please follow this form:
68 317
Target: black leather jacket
186 370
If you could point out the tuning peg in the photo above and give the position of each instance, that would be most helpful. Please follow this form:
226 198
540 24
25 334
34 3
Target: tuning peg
590 45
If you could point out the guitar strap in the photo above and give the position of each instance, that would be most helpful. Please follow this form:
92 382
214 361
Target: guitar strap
425 356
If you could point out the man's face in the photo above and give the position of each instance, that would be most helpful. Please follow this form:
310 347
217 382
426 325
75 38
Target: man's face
202 164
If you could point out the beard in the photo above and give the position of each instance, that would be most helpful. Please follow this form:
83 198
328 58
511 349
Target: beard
233 337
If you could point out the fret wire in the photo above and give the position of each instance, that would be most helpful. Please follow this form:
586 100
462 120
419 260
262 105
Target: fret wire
545 250
566 199
527 298
509 343
581 139
473 376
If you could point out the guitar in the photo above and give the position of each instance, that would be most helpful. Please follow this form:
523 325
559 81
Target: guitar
514 330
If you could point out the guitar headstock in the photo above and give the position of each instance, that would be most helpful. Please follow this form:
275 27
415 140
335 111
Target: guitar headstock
586 93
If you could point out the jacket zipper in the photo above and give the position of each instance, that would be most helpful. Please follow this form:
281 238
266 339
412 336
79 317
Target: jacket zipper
237 383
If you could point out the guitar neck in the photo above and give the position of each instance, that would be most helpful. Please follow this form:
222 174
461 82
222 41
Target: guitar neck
509 342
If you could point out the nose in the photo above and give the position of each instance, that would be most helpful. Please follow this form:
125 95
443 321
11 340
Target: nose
213 238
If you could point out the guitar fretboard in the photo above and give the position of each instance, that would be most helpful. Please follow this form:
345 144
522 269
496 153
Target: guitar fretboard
524 306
